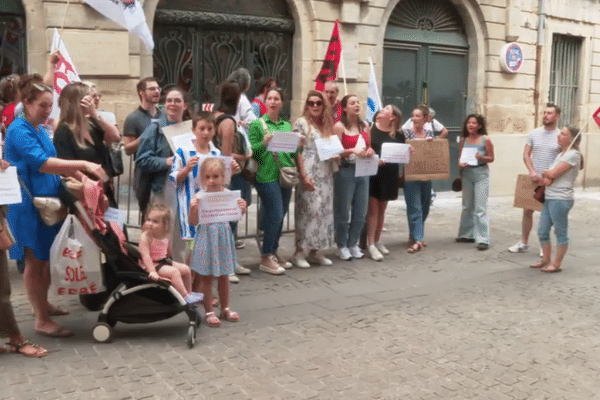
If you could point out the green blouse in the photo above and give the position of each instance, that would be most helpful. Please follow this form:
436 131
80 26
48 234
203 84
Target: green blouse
268 171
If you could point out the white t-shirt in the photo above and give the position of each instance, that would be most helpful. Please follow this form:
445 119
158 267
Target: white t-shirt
434 125
562 187
544 148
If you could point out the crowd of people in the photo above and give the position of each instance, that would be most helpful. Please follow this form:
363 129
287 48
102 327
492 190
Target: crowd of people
333 206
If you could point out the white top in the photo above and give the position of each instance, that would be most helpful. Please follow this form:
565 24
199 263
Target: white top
434 125
562 187
544 148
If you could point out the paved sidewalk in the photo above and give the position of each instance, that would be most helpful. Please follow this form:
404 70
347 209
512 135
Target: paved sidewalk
449 322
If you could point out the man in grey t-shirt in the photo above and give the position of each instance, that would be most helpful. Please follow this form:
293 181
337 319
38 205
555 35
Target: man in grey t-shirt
540 152
137 121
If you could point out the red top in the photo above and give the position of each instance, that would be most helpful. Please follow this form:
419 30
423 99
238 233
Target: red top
349 141
262 105
337 112
8 114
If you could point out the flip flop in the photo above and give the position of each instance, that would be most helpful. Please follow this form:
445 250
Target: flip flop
19 347
414 248
539 264
57 333
551 269
57 311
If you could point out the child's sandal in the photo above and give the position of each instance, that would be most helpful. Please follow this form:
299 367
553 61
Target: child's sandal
229 315
212 320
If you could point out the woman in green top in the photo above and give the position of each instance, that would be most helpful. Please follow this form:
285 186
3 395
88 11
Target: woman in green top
275 198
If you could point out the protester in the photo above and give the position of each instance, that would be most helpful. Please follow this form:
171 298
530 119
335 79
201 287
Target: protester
105 115
431 124
81 134
350 193
417 194
10 94
558 180
154 157
275 198
314 194
331 92
474 221
214 248
28 147
381 186
541 149
137 121
258 103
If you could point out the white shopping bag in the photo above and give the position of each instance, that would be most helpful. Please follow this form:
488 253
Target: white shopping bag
75 261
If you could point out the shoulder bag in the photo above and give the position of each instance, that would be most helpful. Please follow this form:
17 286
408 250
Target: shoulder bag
288 176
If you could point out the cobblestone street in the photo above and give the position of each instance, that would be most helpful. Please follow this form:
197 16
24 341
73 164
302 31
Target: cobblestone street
449 322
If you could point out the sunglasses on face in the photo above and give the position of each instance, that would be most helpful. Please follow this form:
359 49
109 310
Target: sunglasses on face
317 103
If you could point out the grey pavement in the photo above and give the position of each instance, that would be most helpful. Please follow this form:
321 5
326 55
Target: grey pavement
449 322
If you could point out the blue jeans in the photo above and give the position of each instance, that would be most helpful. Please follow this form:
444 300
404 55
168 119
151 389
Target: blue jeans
417 195
474 220
239 183
555 212
275 202
350 205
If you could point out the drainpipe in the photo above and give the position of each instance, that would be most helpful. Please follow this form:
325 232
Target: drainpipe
538 59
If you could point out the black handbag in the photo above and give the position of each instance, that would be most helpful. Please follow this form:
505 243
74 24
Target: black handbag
115 155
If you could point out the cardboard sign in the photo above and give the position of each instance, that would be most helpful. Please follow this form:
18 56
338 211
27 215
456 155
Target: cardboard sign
524 194
183 128
430 161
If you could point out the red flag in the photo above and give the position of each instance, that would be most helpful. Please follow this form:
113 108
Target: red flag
596 116
332 59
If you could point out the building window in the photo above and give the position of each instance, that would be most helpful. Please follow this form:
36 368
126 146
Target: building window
564 76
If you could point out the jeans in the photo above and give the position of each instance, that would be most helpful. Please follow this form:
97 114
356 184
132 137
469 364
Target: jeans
350 206
555 212
417 195
239 183
275 202
474 220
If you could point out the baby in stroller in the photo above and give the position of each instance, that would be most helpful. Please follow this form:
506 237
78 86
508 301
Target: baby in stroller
155 251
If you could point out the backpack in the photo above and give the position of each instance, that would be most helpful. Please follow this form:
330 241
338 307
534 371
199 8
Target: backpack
239 142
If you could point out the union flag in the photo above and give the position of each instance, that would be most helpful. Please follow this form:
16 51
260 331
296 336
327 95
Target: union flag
332 59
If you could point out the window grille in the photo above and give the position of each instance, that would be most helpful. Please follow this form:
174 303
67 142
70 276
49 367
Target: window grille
564 76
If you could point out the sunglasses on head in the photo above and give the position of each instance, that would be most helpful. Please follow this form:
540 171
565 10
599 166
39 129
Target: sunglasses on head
317 103
42 87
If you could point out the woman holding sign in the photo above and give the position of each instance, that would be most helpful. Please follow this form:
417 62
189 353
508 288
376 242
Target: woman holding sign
314 195
477 151
381 186
351 192
28 147
275 198
417 194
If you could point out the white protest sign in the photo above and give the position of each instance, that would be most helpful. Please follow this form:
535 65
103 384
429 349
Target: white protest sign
171 131
469 156
219 207
329 147
284 141
10 190
367 166
115 215
395 153
185 141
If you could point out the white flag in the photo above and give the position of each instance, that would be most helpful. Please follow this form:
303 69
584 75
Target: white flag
127 13
64 72
373 99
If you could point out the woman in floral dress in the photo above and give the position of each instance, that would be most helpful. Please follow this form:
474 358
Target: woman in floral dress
314 195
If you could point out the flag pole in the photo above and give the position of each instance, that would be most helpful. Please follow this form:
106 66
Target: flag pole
62 25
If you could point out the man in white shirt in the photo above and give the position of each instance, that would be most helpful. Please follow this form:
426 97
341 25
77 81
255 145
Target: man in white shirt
541 150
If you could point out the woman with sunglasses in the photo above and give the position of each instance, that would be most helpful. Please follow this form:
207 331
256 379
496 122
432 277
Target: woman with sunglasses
314 194
28 147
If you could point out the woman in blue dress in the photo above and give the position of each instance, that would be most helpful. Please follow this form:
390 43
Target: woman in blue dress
28 147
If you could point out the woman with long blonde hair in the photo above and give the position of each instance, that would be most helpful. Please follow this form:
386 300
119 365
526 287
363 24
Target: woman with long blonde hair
314 195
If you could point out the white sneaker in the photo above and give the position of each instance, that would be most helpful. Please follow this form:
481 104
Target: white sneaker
283 262
241 270
234 279
343 253
382 249
240 244
300 261
356 252
318 258
519 248
541 253
374 253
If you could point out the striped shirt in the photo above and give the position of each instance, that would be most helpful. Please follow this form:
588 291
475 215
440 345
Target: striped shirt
544 148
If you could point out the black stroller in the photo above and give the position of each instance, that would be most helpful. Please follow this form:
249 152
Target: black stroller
130 296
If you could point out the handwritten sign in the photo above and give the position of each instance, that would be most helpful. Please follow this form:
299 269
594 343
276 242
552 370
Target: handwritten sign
219 207
469 156
10 190
328 147
171 131
430 161
284 141
524 194
395 153
367 166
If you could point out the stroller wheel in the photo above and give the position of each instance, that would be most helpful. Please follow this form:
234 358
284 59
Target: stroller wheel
191 339
102 332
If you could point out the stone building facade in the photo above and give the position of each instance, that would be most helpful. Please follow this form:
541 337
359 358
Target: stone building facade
446 52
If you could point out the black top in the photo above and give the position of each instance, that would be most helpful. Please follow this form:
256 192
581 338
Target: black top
383 186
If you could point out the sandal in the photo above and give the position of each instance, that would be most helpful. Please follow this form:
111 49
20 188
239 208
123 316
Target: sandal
414 248
229 315
551 268
212 320
22 347
215 302
539 264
